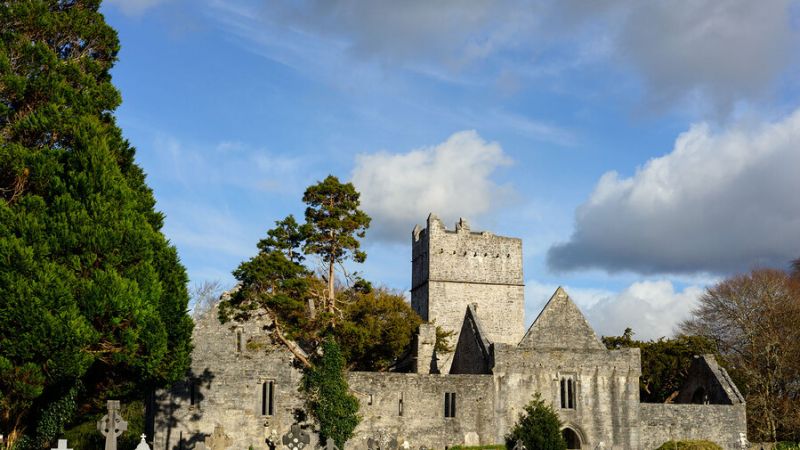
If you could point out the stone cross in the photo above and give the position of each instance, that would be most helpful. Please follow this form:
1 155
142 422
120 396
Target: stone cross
519 445
296 438
62 445
142 444
112 425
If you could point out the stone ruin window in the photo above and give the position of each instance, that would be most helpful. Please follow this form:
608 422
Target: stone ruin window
449 404
567 392
238 341
400 405
193 397
268 398
369 400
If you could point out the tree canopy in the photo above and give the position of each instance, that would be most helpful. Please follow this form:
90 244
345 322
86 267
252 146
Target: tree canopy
665 362
538 427
94 297
333 225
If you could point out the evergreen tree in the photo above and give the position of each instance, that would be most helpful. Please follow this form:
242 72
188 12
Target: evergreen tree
538 428
93 296
665 362
333 224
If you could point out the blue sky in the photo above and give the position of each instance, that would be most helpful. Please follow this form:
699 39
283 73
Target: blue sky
642 150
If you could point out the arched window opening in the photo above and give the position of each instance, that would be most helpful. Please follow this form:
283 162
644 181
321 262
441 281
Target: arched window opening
567 393
571 438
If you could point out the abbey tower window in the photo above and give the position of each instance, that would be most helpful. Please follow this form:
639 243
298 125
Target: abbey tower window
268 398
450 404
568 392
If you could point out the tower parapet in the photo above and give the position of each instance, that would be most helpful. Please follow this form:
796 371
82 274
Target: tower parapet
455 268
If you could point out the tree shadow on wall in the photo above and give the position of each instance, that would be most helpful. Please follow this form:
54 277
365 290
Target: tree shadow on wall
183 401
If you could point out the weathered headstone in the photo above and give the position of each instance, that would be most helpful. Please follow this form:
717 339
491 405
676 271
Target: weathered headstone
218 440
330 444
519 445
112 425
142 444
383 442
62 445
296 438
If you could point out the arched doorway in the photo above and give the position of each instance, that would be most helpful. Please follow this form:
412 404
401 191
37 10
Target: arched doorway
571 438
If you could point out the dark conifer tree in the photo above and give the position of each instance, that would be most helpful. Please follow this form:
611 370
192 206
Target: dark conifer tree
93 299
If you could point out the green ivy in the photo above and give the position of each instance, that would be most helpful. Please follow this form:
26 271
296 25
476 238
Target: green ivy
329 399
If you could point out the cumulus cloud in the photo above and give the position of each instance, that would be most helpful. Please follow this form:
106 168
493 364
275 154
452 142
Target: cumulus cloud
451 179
653 309
720 202
135 7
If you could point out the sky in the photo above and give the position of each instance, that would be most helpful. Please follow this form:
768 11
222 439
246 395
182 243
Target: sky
643 151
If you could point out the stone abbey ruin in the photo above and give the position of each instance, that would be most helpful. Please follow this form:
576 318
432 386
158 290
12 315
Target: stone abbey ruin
239 395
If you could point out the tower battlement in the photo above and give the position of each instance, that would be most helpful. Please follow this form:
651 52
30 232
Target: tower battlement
452 269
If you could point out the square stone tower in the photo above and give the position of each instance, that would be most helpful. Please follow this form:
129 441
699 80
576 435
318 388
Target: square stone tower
453 269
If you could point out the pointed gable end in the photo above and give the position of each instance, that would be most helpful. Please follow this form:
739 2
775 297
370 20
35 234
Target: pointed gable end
473 352
561 326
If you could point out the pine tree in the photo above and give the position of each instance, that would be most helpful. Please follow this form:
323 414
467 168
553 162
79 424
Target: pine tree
333 224
94 298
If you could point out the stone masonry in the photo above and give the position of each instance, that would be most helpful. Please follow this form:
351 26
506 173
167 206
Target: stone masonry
451 269
243 389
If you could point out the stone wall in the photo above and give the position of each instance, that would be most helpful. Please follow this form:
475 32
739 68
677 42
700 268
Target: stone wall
411 407
722 424
606 384
229 366
453 269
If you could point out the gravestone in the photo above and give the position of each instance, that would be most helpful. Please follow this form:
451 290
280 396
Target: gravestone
219 440
383 442
62 445
112 425
142 444
296 438
330 444
519 445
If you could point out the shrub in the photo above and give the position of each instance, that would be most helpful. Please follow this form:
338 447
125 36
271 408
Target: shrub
538 428
689 445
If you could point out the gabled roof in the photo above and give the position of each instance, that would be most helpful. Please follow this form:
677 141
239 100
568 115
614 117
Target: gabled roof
561 326
473 352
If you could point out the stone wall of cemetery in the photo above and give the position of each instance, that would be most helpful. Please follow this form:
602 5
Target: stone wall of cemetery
722 424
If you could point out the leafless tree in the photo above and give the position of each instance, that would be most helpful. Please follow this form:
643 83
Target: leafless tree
755 321
204 296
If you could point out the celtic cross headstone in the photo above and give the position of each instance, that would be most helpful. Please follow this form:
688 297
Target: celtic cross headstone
112 425
296 438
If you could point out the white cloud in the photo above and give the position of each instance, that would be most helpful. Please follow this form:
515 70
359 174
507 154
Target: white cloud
135 7
719 202
451 179
653 309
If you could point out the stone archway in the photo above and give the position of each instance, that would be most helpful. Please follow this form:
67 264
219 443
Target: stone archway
572 438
